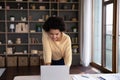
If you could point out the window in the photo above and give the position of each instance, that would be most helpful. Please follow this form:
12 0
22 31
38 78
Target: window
97 23
108 38
103 27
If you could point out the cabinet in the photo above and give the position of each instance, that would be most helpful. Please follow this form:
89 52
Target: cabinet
20 28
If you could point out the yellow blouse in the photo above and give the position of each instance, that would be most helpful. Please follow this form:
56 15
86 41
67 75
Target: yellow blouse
55 50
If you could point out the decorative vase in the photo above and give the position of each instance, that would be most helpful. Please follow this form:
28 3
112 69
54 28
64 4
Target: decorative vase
38 28
12 18
18 41
0 7
74 50
12 27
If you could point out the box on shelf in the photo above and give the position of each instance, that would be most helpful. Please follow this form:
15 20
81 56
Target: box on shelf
2 61
42 7
11 61
34 61
63 0
21 27
9 50
22 61
19 0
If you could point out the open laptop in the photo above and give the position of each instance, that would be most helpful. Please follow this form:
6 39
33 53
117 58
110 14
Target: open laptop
58 72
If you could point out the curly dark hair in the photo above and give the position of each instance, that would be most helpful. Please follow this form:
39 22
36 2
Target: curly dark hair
54 23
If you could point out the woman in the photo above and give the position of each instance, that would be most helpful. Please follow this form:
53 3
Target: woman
56 44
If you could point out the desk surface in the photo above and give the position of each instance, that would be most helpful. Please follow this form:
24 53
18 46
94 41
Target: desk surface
76 77
11 72
32 77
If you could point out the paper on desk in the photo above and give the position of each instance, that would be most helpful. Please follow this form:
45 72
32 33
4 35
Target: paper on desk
96 77
111 76
83 77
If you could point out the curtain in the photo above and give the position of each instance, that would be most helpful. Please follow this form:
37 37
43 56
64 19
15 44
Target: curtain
86 23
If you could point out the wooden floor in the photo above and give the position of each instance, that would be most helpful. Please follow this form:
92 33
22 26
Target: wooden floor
11 72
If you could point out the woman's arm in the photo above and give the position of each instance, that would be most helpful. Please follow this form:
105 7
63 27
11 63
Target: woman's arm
47 55
68 53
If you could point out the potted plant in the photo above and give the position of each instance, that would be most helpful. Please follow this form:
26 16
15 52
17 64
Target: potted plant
74 29
38 27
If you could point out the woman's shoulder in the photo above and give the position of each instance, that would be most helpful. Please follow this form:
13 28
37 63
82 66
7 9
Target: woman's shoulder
66 36
66 39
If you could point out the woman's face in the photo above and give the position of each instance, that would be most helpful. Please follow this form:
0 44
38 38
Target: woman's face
55 34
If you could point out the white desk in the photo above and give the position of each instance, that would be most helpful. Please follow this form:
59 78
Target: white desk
31 77
76 77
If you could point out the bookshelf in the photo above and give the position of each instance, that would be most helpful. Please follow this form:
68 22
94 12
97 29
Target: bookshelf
20 29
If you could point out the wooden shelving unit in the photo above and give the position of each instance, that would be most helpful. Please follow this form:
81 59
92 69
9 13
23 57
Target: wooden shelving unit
31 14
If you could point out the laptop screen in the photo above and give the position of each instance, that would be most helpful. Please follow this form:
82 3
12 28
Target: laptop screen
55 72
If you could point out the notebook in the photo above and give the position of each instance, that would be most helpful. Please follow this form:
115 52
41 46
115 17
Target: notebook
55 72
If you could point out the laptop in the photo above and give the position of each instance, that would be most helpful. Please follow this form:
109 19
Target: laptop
59 72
